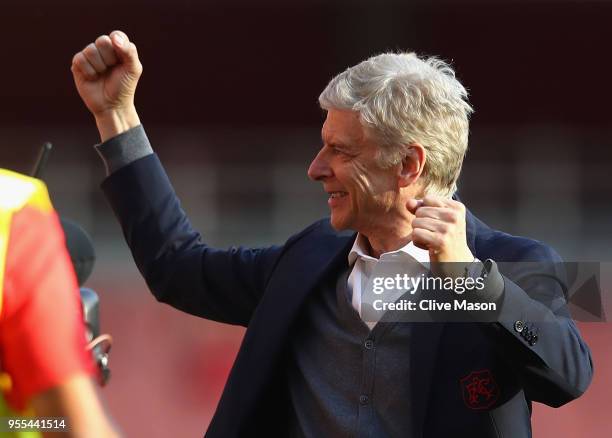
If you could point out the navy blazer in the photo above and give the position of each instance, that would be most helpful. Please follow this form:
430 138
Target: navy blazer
468 379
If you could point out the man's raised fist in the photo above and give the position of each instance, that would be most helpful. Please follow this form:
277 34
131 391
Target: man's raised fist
106 74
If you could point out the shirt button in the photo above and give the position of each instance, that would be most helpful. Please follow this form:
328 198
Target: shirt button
369 344
519 326
363 399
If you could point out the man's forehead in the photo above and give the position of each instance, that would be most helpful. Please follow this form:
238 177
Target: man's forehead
343 127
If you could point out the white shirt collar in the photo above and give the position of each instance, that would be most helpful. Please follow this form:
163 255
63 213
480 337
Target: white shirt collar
358 251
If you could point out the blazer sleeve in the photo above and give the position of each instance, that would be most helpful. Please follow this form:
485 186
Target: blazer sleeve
181 270
534 331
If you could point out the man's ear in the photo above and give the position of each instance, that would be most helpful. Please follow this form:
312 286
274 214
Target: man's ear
412 165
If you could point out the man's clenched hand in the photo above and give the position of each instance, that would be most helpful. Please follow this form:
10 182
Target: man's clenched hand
439 226
106 73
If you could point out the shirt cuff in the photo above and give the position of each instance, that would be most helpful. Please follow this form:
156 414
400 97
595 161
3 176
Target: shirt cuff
493 280
124 149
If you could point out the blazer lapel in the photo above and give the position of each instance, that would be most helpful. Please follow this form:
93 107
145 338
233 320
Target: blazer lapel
304 266
300 270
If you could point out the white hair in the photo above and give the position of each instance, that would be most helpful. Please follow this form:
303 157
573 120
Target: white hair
403 99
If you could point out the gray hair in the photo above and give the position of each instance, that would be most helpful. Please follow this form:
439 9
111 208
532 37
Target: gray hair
403 100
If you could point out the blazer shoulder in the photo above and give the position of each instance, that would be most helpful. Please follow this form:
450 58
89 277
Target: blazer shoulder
319 233
501 246
510 248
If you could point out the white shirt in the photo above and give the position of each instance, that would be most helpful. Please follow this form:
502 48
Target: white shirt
364 268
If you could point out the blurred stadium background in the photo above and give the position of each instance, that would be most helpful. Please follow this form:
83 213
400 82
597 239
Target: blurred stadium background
229 100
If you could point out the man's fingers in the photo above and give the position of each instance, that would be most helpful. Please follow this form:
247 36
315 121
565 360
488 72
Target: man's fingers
119 37
95 59
429 201
442 214
413 205
83 66
434 201
120 42
420 245
107 52
430 224
126 51
437 207
438 201
426 239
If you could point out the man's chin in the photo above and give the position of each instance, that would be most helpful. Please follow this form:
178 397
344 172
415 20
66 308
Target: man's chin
339 223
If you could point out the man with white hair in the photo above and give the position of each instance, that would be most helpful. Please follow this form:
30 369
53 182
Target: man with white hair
313 361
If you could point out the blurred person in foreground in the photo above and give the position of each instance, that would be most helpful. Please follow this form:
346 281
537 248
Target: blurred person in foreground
45 367
310 364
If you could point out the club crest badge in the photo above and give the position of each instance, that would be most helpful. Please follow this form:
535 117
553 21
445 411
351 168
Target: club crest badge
480 391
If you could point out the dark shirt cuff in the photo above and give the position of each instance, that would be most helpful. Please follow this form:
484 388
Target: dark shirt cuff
494 282
124 149
493 291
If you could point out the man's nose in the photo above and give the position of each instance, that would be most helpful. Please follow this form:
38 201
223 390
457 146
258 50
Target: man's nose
319 168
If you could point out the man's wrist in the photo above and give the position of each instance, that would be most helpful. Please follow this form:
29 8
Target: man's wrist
116 121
